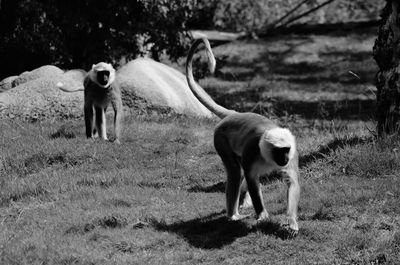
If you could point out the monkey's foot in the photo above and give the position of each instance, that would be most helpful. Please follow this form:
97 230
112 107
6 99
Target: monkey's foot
116 141
263 216
237 217
287 232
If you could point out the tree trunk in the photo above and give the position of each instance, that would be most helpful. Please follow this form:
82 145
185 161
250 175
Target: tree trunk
387 55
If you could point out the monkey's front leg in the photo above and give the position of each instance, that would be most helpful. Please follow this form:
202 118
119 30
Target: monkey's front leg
293 197
291 176
89 124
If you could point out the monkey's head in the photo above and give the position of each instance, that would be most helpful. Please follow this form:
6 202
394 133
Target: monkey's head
102 74
103 77
278 145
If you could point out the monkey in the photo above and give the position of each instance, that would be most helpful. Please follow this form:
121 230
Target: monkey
99 91
253 144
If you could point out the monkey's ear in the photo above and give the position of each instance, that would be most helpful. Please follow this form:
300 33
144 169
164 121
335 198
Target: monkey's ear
93 66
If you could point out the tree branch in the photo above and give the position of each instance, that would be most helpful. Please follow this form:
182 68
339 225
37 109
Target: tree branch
305 13
273 25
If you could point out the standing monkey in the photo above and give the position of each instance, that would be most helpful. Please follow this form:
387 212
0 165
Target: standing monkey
99 91
252 143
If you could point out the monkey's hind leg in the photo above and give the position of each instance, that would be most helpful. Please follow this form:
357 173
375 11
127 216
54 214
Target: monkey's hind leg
118 110
233 182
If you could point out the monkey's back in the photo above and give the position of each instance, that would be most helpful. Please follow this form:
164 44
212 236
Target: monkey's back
239 128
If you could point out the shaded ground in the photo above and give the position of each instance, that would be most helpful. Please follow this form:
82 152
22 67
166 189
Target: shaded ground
312 76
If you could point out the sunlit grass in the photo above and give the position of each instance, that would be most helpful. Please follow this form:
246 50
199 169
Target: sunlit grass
158 198
150 200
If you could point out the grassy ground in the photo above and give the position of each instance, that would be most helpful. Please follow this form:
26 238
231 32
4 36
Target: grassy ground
158 197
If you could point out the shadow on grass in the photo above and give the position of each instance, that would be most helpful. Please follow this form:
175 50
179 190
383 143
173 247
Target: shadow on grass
65 131
219 187
40 161
354 109
294 60
332 68
215 230
331 147
109 222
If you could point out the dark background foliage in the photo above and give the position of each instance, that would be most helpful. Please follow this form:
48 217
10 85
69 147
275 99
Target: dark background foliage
77 33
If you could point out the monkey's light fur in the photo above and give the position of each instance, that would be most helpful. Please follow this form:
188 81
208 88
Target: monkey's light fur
279 137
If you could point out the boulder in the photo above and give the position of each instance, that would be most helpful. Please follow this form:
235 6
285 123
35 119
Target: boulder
6 83
48 71
145 82
35 96
147 87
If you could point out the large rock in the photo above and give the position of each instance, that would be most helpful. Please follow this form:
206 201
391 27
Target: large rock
147 87
149 84
6 83
35 96
47 71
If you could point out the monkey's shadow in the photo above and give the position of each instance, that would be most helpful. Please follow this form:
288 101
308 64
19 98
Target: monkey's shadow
215 230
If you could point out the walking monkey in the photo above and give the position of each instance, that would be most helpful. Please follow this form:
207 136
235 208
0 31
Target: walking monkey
252 143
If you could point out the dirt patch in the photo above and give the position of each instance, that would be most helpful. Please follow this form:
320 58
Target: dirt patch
35 163
110 221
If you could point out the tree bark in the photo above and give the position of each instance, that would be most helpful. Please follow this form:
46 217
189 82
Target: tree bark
386 53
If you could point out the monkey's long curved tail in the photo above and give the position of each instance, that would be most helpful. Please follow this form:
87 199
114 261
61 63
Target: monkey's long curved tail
199 92
61 87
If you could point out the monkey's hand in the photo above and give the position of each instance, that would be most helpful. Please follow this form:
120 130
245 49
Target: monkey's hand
263 216
292 224
116 141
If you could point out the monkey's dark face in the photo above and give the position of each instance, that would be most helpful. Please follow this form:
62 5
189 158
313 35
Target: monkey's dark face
103 77
280 155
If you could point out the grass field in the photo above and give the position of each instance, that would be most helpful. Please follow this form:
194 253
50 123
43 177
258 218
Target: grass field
158 198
